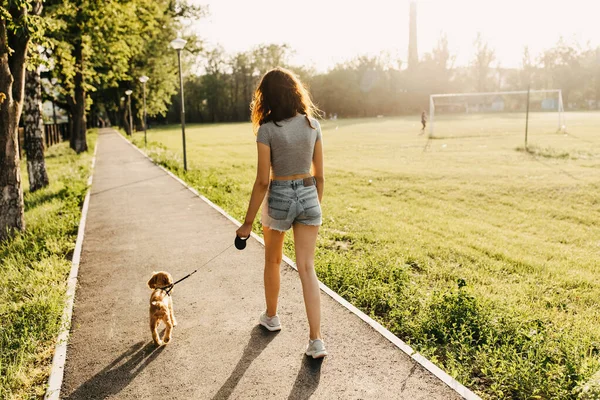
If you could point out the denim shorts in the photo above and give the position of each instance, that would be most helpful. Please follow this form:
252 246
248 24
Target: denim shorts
288 202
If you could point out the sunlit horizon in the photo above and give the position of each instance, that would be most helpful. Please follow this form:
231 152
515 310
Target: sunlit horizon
324 33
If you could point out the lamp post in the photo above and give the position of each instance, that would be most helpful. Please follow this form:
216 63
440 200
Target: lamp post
144 79
128 93
178 44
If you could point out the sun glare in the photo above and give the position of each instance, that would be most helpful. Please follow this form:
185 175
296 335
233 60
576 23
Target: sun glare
323 33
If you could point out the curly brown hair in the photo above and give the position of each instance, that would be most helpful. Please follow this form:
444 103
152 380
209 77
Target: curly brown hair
281 95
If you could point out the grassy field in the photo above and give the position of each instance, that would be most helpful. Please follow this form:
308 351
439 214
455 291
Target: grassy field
481 255
35 266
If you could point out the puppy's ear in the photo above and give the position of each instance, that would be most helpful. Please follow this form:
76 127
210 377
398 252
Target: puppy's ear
163 279
152 281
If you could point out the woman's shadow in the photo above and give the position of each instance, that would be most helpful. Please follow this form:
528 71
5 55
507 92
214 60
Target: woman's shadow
308 378
259 340
119 373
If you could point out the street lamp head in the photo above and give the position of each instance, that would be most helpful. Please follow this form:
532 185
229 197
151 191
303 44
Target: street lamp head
144 79
178 43
128 92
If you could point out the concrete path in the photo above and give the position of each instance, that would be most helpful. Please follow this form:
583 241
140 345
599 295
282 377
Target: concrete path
141 220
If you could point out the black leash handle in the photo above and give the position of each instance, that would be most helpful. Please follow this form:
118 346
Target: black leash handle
240 242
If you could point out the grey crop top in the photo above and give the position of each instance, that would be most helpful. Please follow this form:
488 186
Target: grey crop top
292 144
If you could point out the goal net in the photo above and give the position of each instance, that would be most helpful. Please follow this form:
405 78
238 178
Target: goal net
495 113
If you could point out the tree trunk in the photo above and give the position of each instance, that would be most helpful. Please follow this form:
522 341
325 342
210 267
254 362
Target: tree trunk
11 103
128 129
34 131
70 123
78 134
11 192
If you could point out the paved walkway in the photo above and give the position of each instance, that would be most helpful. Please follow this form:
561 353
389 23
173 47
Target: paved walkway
140 220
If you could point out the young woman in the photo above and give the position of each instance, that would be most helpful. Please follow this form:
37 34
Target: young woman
289 143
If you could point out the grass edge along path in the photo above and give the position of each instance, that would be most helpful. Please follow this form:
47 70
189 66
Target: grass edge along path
496 353
35 265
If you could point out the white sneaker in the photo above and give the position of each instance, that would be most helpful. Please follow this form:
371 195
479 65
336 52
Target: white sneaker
316 348
271 323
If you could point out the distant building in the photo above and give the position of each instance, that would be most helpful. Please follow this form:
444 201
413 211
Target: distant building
497 104
476 104
550 104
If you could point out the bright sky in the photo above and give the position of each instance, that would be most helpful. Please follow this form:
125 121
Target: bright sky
324 32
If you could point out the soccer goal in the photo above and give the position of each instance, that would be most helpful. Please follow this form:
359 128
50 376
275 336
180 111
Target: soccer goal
497 102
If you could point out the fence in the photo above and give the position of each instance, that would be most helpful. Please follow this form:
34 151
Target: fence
53 134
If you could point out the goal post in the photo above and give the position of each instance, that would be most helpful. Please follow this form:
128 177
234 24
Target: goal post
559 107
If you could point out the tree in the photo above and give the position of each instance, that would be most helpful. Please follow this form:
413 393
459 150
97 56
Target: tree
484 56
435 69
268 56
596 69
34 131
441 56
93 45
158 24
19 25
563 69
242 87
214 83
527 68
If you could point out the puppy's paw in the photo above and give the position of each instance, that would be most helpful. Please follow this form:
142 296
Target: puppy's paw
167 340
159 343
174 322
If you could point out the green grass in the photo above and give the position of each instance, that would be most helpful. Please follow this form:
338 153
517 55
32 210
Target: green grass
35 265
482 257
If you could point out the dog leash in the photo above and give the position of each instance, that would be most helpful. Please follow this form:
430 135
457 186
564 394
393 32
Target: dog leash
168 288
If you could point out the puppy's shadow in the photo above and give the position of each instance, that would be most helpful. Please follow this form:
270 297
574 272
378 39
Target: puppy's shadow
308 379
259 340
118 374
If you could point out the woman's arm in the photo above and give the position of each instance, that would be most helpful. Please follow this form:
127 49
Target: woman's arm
261 185
318 169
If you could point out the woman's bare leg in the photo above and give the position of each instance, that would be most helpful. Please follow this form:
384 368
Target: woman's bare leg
305 241
273 255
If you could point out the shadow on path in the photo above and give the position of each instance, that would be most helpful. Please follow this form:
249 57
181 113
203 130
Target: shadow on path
410 374
308 379
116 376
259 340
128 184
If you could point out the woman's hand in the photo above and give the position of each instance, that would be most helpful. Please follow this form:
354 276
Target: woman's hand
244 230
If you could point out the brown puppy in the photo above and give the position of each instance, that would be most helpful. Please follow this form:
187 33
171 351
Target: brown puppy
161 306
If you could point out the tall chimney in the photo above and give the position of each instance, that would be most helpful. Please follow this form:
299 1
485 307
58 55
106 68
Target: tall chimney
413 54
